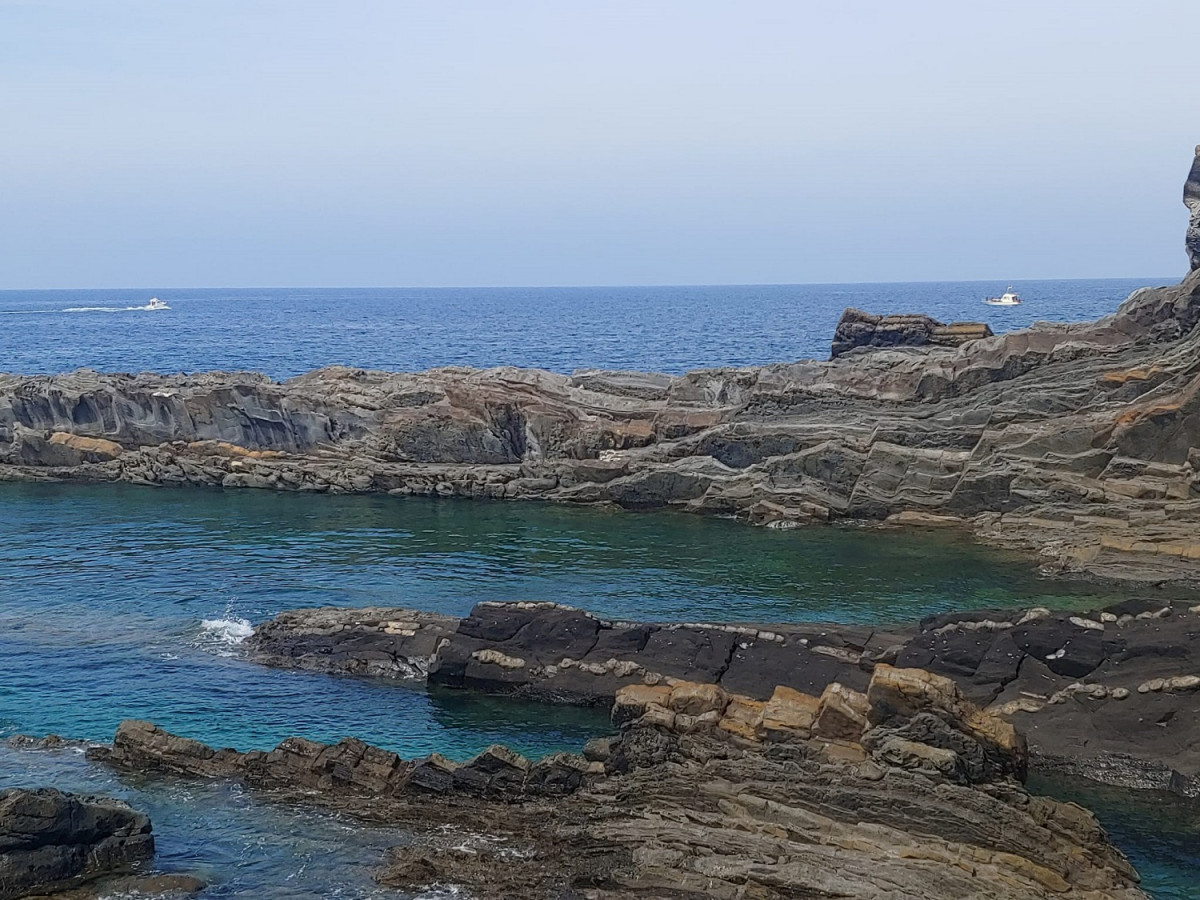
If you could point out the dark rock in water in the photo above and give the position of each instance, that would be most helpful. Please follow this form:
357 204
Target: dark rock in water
51 841
1191 199
391 643
1112 695
858 329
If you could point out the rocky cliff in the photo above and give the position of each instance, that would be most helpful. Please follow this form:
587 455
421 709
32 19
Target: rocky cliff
1191 199
1077 442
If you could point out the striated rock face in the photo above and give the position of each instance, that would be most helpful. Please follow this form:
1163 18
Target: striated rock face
1112 695
861 329
1075 442
904 790
1191 199
51 841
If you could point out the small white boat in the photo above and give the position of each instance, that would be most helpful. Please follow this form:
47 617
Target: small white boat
155 303
1008 298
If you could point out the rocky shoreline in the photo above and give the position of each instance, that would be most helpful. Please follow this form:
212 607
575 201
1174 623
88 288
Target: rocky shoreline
1074 443
1112 695
904 790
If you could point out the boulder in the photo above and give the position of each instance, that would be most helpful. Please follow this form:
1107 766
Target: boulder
51 841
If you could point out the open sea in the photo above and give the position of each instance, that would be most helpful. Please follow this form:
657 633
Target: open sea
120 602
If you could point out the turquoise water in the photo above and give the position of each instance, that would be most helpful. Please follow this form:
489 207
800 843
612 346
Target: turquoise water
124 602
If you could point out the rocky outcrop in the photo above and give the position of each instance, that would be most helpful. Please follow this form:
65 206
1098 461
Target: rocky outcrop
1074 442
861 329
903 790
348 768
1191 199
1112 694
51 841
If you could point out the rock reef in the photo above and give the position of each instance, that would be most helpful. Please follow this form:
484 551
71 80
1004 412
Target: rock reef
1112 695
1074 442
51 841
904 790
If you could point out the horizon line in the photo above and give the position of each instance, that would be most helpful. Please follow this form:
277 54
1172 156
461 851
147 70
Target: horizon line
1151 281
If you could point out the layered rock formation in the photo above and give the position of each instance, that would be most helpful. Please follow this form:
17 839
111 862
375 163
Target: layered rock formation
905 790
858 329
1191 199
1076 442
51 841
1112 695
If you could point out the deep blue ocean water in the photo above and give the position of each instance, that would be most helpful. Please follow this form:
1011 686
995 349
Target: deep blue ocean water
284 332
120 602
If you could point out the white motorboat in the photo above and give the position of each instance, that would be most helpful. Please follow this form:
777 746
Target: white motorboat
1008 298
155 303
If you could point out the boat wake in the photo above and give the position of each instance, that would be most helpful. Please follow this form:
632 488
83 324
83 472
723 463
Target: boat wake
114 309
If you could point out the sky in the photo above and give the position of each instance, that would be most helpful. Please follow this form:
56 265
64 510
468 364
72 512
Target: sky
194 143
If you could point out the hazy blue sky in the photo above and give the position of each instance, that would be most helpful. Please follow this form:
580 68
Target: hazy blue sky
503 142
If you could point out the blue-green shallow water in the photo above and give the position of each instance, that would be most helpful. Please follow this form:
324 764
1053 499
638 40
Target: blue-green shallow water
120 602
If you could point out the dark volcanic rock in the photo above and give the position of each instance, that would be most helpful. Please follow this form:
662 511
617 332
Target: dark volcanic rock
51 841
858 329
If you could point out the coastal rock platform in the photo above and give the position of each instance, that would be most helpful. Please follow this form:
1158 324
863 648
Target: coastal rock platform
1079 444
1112 695
904 790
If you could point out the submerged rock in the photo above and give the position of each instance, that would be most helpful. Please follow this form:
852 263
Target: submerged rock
51 841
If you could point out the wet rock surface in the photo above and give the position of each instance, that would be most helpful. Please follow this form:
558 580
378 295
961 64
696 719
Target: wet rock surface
51 841
1077 443
903 790
1112 694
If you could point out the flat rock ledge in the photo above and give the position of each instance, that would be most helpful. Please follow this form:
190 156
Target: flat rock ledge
904 790
1112 695
51 841
1078 444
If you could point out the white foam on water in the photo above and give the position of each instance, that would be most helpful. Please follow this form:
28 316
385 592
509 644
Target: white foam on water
228 631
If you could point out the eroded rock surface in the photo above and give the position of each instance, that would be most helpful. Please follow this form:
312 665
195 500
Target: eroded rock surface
1075 442
1112 694
904 790
51 841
